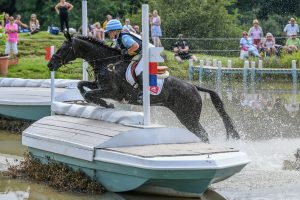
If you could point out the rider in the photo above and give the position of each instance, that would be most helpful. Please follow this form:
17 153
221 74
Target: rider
130 46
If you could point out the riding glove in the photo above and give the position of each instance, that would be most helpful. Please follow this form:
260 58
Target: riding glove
124 52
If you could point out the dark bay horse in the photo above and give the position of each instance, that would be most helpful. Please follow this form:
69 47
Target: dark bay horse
179 96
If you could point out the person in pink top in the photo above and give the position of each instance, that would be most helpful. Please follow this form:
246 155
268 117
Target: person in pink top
256 33
11 29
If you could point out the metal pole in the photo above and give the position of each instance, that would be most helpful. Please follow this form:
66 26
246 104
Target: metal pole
84 33
52 82
145 55
191 70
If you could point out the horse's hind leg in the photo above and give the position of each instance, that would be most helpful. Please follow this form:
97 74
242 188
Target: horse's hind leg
218 104
190 119
198 130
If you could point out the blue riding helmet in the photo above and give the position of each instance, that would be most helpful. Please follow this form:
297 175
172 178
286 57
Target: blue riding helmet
113 25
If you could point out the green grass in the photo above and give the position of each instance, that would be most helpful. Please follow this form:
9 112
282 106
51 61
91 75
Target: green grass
33 65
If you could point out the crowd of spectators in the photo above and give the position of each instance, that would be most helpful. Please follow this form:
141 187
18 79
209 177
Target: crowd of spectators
254 43
12 26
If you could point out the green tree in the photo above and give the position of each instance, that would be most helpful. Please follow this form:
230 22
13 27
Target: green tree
198 19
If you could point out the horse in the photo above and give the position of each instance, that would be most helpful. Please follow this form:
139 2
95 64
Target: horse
181 97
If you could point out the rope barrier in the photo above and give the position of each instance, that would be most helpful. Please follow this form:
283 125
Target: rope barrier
205 39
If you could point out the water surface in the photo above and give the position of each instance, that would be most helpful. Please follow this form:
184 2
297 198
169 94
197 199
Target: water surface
266 115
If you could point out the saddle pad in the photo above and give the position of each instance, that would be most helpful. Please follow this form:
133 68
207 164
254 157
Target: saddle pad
153 90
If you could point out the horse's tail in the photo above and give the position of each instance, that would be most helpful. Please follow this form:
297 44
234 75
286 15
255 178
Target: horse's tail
218 104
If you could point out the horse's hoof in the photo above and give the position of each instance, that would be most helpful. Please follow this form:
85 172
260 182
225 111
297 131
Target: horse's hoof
110 105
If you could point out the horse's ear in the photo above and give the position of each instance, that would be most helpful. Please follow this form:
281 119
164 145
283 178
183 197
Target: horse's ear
67 36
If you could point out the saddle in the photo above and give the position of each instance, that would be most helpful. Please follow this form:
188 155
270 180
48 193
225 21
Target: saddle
162 72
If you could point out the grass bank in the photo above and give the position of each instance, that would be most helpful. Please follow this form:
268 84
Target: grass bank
33 65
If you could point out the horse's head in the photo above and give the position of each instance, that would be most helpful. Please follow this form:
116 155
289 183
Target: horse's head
63 55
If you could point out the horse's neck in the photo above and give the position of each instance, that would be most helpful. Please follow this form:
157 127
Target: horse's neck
94 54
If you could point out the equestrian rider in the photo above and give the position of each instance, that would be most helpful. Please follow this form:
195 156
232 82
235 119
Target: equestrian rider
130 46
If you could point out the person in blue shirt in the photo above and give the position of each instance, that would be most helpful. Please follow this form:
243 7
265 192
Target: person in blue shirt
130 46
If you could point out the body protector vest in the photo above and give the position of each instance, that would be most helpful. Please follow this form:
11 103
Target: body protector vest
136 39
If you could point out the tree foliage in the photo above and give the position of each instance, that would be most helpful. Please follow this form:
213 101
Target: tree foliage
97 10
198 19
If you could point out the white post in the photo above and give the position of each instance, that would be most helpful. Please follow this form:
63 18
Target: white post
219 70
229 64
201 63
145 55
253 65
260 64
191 70
201 70
245 75
294 71
84 33
214 63
246 64
253 72
208 63
52 82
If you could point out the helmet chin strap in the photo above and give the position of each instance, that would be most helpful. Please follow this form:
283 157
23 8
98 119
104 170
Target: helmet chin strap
117 34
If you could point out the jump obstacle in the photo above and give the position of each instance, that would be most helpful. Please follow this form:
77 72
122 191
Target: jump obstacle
218 70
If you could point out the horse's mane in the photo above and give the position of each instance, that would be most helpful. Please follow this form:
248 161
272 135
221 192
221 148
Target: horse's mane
96 42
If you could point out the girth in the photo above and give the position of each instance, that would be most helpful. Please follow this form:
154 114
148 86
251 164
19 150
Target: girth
133 67
136 59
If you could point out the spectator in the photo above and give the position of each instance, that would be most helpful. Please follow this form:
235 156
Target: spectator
11 29
98 32
22 28
247 45
34 24
127 27
137 29
108 18
6 19
63 8
269 44
291 27
256 33
156 33
181 50
292 44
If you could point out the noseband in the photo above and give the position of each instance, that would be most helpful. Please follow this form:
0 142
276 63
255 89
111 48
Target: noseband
61 61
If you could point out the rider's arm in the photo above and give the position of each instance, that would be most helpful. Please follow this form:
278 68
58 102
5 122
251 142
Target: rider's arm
130 44
133 48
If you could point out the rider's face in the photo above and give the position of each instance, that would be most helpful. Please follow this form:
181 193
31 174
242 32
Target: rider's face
112 34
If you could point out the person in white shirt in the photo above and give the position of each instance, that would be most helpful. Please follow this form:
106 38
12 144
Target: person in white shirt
291 27
127 27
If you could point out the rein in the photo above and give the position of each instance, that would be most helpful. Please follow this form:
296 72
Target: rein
110 66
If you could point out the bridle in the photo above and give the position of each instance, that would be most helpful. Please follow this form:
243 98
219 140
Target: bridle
110 66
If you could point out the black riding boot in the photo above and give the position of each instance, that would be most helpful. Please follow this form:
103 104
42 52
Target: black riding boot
140 88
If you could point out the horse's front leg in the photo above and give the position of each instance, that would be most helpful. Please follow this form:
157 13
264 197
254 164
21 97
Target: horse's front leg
92 95
95 96
86 84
